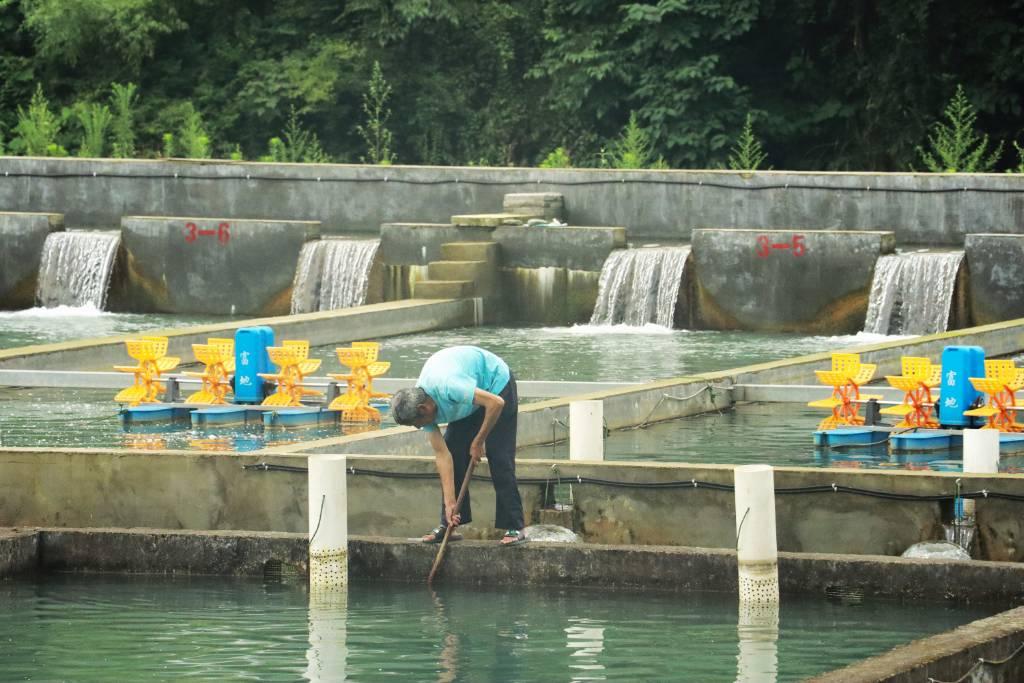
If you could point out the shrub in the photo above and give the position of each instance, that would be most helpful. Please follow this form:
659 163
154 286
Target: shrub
747 154
955 147
38 128
95 121
557 158
123 99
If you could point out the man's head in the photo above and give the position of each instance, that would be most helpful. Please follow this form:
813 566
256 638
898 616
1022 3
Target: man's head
413 407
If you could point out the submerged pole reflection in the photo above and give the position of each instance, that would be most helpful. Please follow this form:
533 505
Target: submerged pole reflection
326 658
585 637
758 631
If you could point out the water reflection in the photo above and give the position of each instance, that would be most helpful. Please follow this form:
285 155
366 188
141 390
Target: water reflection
758 632
327 656
586 640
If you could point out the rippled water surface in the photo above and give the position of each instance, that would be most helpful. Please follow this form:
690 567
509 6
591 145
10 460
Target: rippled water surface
64 323
121 628
618 353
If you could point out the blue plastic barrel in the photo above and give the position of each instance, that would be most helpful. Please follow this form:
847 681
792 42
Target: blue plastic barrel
250 359
959 364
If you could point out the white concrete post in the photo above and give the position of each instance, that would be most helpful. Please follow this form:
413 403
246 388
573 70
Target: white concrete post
586 430
757 554
981 456
328 523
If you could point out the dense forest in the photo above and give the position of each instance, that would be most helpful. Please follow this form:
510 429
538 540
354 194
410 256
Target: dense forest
823 84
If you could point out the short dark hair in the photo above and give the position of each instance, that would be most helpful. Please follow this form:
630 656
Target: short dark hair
405 404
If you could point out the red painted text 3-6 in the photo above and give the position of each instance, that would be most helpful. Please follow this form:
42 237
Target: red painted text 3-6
765 246
194 232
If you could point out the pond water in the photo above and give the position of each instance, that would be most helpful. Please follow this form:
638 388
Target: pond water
65 323
618 353
779 434
121 628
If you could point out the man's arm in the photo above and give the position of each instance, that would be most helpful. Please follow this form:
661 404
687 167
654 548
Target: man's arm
492 405
446 472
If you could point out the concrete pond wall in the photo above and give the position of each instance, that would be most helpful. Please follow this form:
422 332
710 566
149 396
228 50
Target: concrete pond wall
21 249
920 208
211 265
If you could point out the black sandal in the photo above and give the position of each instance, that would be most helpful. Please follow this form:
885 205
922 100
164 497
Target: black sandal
436 535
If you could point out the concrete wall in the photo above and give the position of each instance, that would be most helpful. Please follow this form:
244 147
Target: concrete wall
22 236
785 280
919 208
995 264
211 491
328 327
220 266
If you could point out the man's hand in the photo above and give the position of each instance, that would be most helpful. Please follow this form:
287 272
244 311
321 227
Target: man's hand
451 516
477 449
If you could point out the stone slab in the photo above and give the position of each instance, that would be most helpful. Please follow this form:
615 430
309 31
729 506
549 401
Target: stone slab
575 248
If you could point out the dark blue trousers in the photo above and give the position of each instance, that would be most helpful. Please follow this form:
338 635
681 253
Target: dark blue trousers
501 459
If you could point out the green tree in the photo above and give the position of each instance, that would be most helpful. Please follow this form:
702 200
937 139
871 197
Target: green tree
747 154
955 146
375 133
95 121
123 99
38 128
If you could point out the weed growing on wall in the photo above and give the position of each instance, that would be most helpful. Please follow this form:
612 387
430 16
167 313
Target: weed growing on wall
747 154
557 158
123 100
193 141
375 132
955 146
298 144
168 148
632 149
1019 168
38 128
95 120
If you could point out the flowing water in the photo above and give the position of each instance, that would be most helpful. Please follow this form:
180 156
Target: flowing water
75 268
332 273
133 628
640 286
912 293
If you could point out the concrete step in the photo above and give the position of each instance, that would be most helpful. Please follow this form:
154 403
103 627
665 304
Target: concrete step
470 251
475 271
489 220
546 205
443 289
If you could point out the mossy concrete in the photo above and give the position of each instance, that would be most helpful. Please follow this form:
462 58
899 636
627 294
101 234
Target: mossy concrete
995 266
23 236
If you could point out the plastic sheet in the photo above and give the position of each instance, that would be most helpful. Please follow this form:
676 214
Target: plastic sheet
936 550
551 533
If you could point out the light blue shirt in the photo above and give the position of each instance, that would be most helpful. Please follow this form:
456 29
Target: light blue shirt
451 376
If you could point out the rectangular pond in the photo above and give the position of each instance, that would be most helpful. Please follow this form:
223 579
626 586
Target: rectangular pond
109 628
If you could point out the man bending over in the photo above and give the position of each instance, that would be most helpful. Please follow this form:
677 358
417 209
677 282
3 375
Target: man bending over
474 392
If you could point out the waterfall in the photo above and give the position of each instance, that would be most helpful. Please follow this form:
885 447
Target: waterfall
640 286
75 268
912 293
332 273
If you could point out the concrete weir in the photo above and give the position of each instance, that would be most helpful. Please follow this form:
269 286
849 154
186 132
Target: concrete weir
23 235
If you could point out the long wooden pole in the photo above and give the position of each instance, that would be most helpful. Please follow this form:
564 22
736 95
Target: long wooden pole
448 529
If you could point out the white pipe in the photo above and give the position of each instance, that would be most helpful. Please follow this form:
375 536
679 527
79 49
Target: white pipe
757 555
981 456
328 523
586 430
